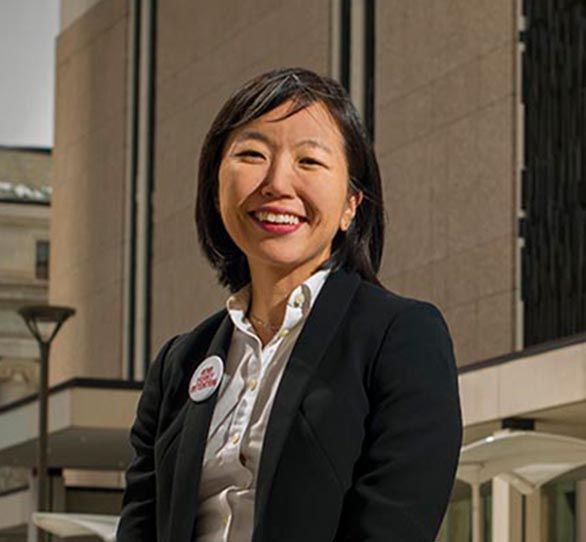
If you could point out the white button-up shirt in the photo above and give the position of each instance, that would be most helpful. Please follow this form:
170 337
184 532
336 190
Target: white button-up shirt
251 378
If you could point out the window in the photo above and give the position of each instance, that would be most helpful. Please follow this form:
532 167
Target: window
354 58
554 186
457 522
561 511
42 260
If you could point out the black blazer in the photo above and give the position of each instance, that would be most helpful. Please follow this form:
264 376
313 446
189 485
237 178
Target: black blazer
363 438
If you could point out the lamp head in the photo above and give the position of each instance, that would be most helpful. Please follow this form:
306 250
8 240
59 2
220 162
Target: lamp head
44 321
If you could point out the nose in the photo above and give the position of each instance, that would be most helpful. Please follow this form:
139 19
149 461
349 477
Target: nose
279 179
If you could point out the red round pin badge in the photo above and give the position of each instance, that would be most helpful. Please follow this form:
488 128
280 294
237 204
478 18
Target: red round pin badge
206 378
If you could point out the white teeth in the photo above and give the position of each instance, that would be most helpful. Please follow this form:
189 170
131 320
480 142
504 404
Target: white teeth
276 218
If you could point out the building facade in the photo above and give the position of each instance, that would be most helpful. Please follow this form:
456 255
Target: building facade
476 111
24 267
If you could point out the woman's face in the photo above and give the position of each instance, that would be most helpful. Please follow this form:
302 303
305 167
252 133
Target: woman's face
283 188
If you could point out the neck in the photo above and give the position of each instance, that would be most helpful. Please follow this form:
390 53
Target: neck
270 290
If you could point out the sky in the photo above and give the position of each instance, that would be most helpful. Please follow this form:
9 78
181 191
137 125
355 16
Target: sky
28 29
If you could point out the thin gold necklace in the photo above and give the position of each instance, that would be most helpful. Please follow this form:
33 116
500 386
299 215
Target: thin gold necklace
263 323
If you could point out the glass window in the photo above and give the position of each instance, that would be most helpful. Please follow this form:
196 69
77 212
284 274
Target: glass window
42 260
457 523
561 511
553 196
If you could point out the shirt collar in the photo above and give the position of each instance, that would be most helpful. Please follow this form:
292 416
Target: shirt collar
299 303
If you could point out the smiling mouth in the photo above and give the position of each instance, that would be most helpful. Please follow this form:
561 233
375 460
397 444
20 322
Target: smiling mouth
277 223
277 218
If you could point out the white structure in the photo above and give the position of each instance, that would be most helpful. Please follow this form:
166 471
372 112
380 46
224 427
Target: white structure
525 460
70 525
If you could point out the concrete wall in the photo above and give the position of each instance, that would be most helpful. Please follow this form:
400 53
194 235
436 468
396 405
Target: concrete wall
87 229
71 10
445 114
27 166
205 50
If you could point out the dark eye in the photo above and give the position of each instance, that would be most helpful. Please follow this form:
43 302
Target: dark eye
309 161
249 153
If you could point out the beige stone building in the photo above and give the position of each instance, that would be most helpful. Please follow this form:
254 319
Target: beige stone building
24 261
483 187
24 265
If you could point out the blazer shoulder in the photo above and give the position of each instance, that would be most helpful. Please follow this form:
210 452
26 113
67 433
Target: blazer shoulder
418 330
387 304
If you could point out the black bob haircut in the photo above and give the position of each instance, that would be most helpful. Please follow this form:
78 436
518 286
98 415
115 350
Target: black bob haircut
360 247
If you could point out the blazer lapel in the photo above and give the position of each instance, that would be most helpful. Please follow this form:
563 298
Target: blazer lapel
319 329
192 446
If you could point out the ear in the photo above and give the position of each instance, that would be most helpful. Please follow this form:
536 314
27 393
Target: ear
350 212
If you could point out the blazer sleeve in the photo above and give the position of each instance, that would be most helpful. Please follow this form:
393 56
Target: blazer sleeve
403 479
138 517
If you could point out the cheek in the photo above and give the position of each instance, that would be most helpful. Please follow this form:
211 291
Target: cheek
331 201
235 184
227 190
232 195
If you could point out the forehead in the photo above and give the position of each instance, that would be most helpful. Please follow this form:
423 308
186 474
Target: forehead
314 121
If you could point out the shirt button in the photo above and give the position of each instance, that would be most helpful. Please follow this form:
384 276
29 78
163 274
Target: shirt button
226 518
236 438
252 385
298 300
283 332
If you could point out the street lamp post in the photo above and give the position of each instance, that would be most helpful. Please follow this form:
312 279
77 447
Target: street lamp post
44 321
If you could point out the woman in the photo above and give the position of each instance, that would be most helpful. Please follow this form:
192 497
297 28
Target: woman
317 406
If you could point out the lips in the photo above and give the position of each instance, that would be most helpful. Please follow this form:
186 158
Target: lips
277 215
277 222
276 218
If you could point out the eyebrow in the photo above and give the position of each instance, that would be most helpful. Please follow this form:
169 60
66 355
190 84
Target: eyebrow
251 134
315 143
259 136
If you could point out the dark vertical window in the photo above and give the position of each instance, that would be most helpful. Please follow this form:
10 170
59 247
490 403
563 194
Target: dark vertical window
554 175
42 260
357 46
150 167
132 206
369 66
345 43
